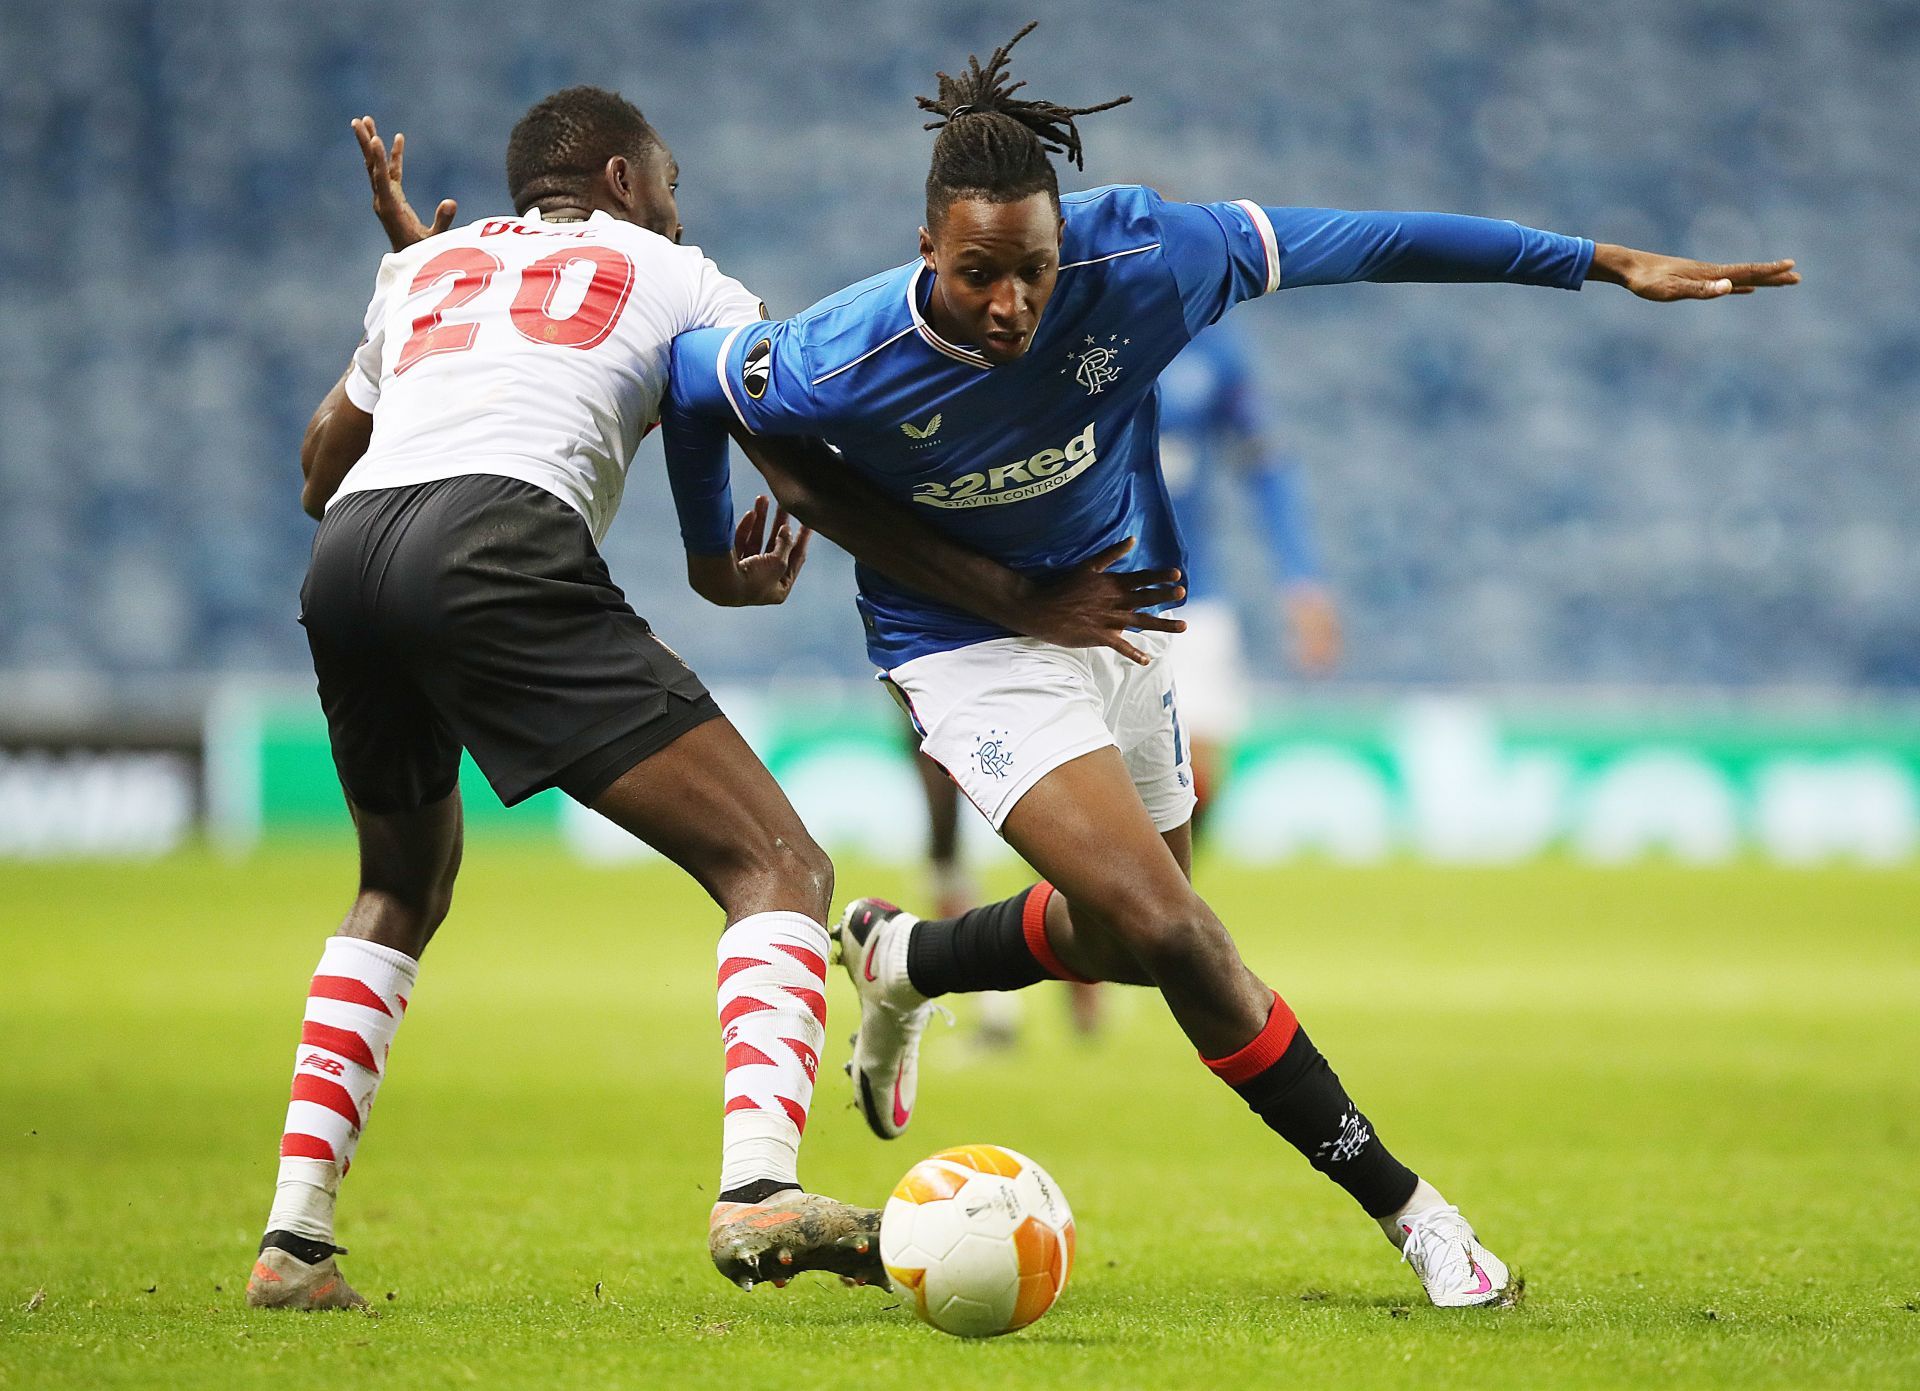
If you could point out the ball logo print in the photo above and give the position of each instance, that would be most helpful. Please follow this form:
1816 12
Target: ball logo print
980 1238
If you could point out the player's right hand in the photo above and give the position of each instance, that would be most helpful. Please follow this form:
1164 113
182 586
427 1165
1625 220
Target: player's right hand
1091 606
766 563
1667 278
403 225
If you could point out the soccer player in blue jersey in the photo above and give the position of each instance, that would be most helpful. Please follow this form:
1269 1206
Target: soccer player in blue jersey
1216 452
1002 383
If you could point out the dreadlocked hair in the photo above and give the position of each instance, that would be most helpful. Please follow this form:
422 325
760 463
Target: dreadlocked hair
566 139
993 146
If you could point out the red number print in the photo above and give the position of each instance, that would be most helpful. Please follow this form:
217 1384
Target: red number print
599 308
472 269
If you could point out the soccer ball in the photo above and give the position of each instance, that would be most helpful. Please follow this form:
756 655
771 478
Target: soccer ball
980 1239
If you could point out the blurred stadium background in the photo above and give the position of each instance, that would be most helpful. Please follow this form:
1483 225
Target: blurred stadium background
1622 584
1618 580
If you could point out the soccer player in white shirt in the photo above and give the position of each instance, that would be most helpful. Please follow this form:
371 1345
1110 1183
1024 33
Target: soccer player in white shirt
467 464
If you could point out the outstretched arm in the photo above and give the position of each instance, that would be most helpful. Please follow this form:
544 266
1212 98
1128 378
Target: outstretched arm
1223 253
1319 247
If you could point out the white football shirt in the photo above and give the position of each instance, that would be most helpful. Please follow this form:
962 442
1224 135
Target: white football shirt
530 349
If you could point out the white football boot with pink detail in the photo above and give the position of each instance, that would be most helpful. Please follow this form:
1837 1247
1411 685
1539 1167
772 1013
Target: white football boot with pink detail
1457 1271
885 1068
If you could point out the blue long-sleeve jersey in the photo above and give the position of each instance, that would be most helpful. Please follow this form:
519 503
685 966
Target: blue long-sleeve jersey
1047 460
1215 451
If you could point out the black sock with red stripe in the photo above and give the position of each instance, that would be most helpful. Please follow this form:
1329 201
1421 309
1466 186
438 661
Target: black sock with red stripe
1002 946
1286 1082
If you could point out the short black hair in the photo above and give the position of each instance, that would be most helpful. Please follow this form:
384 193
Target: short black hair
992 145
566 139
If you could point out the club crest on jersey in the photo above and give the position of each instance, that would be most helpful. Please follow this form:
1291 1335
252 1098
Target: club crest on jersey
1095 365
757 370
920 434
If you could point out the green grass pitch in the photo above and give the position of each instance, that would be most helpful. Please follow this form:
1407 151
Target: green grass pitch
1686 1104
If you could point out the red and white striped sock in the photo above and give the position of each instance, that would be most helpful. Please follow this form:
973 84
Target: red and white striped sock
773 1020
354 1008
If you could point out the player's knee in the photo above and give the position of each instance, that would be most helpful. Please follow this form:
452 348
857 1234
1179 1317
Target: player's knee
810 868
779 870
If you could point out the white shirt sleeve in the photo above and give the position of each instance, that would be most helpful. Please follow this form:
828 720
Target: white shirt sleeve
363 376
720 301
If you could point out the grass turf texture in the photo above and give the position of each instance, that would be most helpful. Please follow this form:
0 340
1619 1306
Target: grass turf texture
1684 1103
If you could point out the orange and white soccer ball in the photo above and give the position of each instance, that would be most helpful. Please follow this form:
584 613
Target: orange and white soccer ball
980 1238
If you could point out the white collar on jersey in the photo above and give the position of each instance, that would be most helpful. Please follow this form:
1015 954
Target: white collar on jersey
971 356
535 215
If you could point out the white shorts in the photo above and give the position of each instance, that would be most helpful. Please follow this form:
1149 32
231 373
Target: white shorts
1001 715
1215 695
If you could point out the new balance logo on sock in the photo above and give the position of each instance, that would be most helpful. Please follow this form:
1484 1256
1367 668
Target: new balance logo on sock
354 1006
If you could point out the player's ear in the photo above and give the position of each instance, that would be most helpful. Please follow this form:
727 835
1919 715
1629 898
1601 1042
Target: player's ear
619 178
926 248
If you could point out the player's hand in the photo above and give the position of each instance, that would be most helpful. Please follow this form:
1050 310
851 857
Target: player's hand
1315 623
403 225
1091 606
766 563
1652 276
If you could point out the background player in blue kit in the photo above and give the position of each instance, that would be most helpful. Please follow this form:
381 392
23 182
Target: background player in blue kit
1217 454
1005 382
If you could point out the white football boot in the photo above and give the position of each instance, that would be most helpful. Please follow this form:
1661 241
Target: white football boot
1457 1271
885 1067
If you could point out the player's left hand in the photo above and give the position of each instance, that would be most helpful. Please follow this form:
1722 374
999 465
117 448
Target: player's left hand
1653 276
403 225
765 564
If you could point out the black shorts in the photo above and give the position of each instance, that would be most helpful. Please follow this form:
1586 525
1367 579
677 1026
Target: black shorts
476 612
